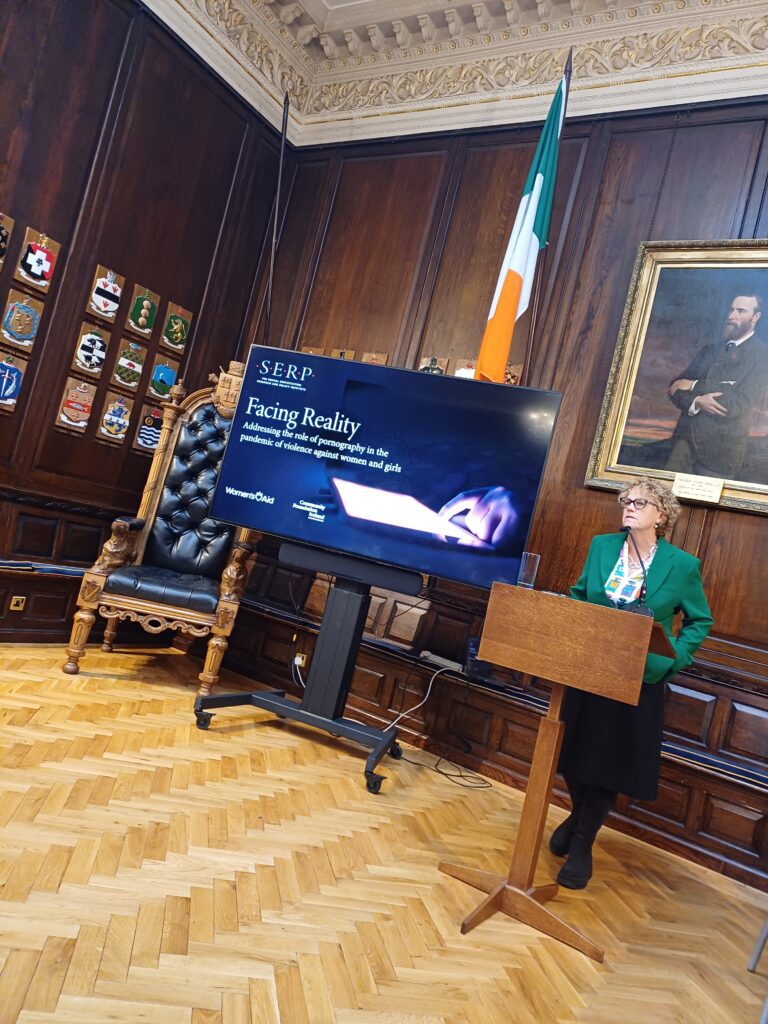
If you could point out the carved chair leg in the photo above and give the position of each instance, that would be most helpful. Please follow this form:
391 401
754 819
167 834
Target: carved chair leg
217 645
109 634
81 628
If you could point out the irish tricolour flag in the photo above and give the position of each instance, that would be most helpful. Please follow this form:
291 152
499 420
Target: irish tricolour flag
529 235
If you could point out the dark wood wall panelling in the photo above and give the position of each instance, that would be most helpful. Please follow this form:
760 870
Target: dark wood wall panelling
134 156
396 248
50 602
41 535
123 147
351 297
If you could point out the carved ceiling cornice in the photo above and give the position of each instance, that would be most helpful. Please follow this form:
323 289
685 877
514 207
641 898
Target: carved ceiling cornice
423 66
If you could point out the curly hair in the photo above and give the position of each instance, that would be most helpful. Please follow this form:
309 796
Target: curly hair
669 506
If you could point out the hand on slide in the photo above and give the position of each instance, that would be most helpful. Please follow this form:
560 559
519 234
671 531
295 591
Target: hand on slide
487 513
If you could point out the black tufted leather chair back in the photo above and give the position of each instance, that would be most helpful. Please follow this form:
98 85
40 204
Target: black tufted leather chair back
184 537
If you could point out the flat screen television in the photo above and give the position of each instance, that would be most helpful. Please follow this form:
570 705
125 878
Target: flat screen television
427 472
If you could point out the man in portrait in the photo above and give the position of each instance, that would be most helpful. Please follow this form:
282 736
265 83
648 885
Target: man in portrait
716 394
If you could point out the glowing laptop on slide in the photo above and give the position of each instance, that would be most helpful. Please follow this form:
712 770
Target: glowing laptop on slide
373 505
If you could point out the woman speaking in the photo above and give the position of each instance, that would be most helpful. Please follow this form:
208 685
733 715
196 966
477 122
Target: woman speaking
610 747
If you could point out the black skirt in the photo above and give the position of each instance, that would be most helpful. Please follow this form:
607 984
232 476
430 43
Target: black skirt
614 745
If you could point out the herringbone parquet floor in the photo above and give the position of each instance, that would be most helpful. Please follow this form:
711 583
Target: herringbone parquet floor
152 872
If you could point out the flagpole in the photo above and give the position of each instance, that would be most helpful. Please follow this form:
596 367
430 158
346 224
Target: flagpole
270 279
541 269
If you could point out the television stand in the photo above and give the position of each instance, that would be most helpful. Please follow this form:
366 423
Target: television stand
333 663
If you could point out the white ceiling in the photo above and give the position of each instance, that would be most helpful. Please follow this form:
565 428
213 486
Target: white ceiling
357 69
334 5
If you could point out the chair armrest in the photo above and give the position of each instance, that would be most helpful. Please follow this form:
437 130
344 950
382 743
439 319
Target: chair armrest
133 524
235 575
232 585
119 549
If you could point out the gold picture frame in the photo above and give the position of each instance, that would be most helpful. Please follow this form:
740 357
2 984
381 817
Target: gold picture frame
679 318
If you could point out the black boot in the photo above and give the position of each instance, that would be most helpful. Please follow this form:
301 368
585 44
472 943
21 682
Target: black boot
595 808
560 840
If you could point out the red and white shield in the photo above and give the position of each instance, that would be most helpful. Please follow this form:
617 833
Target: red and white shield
105 297
76 407
37 263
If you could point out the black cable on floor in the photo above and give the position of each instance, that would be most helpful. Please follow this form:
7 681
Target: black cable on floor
461 777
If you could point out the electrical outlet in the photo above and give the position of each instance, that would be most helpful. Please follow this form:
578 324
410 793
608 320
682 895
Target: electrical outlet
300 660
17 603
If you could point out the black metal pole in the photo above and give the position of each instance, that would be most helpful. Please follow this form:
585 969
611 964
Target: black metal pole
525 375
270 279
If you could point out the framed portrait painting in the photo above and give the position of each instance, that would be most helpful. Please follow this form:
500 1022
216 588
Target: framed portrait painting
688 388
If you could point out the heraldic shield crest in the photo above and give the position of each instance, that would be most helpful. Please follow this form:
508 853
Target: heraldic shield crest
163 379
11 376
37 263
143 311
148 433
6 230
91 351
76 408
4 238
176 329
114 422
21 321
38 259
129 365
106 294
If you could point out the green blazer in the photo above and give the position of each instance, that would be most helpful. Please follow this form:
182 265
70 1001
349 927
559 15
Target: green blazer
674 584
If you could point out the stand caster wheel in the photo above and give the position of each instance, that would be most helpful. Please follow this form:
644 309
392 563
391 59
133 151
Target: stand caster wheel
373 782
203 719
396 751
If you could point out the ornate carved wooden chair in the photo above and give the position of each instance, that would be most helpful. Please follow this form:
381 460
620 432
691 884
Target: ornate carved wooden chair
174 567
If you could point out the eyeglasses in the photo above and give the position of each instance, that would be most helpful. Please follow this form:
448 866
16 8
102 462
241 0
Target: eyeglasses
638 503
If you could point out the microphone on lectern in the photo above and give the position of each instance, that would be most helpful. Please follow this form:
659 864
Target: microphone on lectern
642 610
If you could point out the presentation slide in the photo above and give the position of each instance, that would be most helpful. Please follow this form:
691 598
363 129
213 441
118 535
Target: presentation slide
428 472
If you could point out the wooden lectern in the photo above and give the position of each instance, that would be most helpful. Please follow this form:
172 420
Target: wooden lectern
570 643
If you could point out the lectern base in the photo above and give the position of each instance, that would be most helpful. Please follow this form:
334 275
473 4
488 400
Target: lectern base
523 904
563 641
